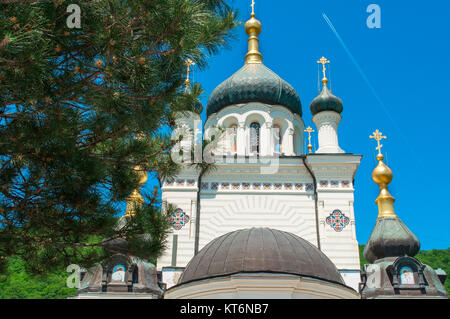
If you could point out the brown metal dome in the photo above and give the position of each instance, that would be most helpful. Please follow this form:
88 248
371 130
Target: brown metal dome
260 250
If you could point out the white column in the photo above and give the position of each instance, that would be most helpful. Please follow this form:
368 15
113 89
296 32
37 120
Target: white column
266 146
327 123
241 139
288 142
322 223
352 219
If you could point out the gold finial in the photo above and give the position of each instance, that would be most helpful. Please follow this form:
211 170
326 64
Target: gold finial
378 136
309 130
253 29
382 175
324 62
188 64
135 200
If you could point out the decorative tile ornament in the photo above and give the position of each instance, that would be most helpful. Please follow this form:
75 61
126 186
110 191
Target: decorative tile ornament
337 220
205 186
170 182
179 219
258 186
190 182
180 182
323 184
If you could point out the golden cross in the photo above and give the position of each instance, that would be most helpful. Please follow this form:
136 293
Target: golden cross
188 64
253 7
324 62
378 136
309 130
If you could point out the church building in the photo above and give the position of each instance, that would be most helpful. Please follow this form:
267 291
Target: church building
261 175
260 215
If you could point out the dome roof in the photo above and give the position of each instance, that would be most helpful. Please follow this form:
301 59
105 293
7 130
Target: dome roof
326 101
254 82
391 238
260 250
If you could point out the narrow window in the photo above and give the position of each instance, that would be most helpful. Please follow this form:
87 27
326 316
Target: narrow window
255 129
232 138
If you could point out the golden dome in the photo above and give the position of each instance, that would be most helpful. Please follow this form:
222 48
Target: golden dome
382 174
253 26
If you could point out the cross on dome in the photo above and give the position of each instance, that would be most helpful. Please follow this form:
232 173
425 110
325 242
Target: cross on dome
188 64
324 62
378 136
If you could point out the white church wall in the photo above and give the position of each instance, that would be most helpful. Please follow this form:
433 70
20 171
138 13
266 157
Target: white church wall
184 197
261 286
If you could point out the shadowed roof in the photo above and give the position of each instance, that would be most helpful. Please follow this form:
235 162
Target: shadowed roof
260 250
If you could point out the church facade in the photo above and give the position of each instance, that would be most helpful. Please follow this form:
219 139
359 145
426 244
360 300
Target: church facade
259 215
261 175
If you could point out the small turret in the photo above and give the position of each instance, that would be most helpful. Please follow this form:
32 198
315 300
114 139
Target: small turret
326 110
390 236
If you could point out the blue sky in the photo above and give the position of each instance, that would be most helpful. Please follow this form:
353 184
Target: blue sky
407 64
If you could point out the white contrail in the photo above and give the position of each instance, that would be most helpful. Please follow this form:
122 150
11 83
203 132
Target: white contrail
369 84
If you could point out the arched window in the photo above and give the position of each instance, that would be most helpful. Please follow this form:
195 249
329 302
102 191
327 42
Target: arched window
232 138
277 142
255 129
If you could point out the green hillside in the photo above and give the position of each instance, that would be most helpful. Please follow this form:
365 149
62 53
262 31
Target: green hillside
436 258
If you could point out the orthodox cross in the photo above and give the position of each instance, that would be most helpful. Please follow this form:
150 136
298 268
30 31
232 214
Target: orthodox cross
253 7
309 130
188 64
378 136
324 62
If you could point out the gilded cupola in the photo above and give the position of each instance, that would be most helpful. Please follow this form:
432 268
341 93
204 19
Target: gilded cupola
390 236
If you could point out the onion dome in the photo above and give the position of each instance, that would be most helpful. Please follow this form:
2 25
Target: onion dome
254 82
326 101
390 236
259 250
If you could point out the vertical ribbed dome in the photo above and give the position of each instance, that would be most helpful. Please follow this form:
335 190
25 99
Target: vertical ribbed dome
391 238
254 83
326 101
260 250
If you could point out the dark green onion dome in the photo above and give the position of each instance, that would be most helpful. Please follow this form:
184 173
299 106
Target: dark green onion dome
254 82
326 101
391 238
